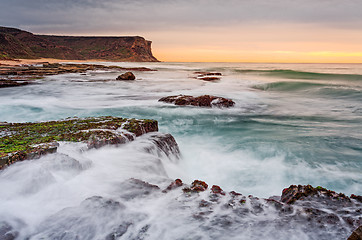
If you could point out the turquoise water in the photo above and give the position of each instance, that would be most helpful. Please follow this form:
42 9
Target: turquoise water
292 124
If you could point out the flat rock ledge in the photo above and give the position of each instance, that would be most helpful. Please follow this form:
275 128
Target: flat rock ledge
201 101
21 141
12 74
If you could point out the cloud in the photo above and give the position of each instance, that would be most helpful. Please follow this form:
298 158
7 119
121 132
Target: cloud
88 16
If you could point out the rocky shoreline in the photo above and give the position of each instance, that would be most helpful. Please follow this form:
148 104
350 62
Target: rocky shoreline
13 76
313 208
21 141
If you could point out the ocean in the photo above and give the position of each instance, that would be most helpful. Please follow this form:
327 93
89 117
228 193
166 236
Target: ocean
291 124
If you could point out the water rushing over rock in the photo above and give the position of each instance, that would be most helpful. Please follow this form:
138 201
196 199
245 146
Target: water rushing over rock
301 130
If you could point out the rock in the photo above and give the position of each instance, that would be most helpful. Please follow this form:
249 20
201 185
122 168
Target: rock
14 74
175 184
95 216
357 234
209 78
356 197
7 232
20 141
16 43
134 188
196 186
217 190
293 193
165 144
10 83
208 73
201 101
126 76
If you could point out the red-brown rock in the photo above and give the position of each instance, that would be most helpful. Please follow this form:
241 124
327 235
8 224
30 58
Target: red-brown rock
126 76
217 190
201 101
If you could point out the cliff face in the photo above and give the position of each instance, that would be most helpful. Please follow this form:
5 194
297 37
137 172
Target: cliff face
15 43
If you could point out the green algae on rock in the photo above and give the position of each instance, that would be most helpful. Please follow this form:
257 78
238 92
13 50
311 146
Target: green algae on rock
20 141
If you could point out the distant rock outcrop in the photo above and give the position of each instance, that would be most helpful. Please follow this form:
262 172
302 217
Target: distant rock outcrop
16 43
126 76
201 101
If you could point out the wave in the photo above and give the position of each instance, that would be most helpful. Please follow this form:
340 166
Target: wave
326 90
287 86
291 74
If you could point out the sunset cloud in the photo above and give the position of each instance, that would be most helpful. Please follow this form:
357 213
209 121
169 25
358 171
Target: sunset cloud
242 24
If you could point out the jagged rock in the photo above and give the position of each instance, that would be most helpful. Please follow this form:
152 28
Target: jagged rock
357 234
175 184
196 186
164 143
217 190
201 101
126 76
20 141
294 193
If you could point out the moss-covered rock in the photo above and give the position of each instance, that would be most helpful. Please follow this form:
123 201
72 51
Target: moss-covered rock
19 141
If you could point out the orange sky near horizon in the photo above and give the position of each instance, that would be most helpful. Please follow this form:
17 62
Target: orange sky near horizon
290 43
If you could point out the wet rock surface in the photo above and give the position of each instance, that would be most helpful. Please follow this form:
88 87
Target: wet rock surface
29 73
164 144
214 212
20 141
126 76
208 76
11 83
201 101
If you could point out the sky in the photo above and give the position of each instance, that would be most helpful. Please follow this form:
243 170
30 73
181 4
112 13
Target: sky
207 30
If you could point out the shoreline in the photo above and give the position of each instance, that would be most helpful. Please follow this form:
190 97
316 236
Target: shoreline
17 62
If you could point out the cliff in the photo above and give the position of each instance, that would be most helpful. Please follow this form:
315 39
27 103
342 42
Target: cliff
16 43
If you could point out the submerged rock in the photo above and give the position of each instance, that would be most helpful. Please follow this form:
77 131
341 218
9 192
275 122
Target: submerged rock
201 101
20 141
95 218
208 76
126 76
7 232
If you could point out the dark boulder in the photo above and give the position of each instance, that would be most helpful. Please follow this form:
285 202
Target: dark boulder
201 101
11 83
126 76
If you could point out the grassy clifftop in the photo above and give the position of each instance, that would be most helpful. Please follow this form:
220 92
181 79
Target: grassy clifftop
16 43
